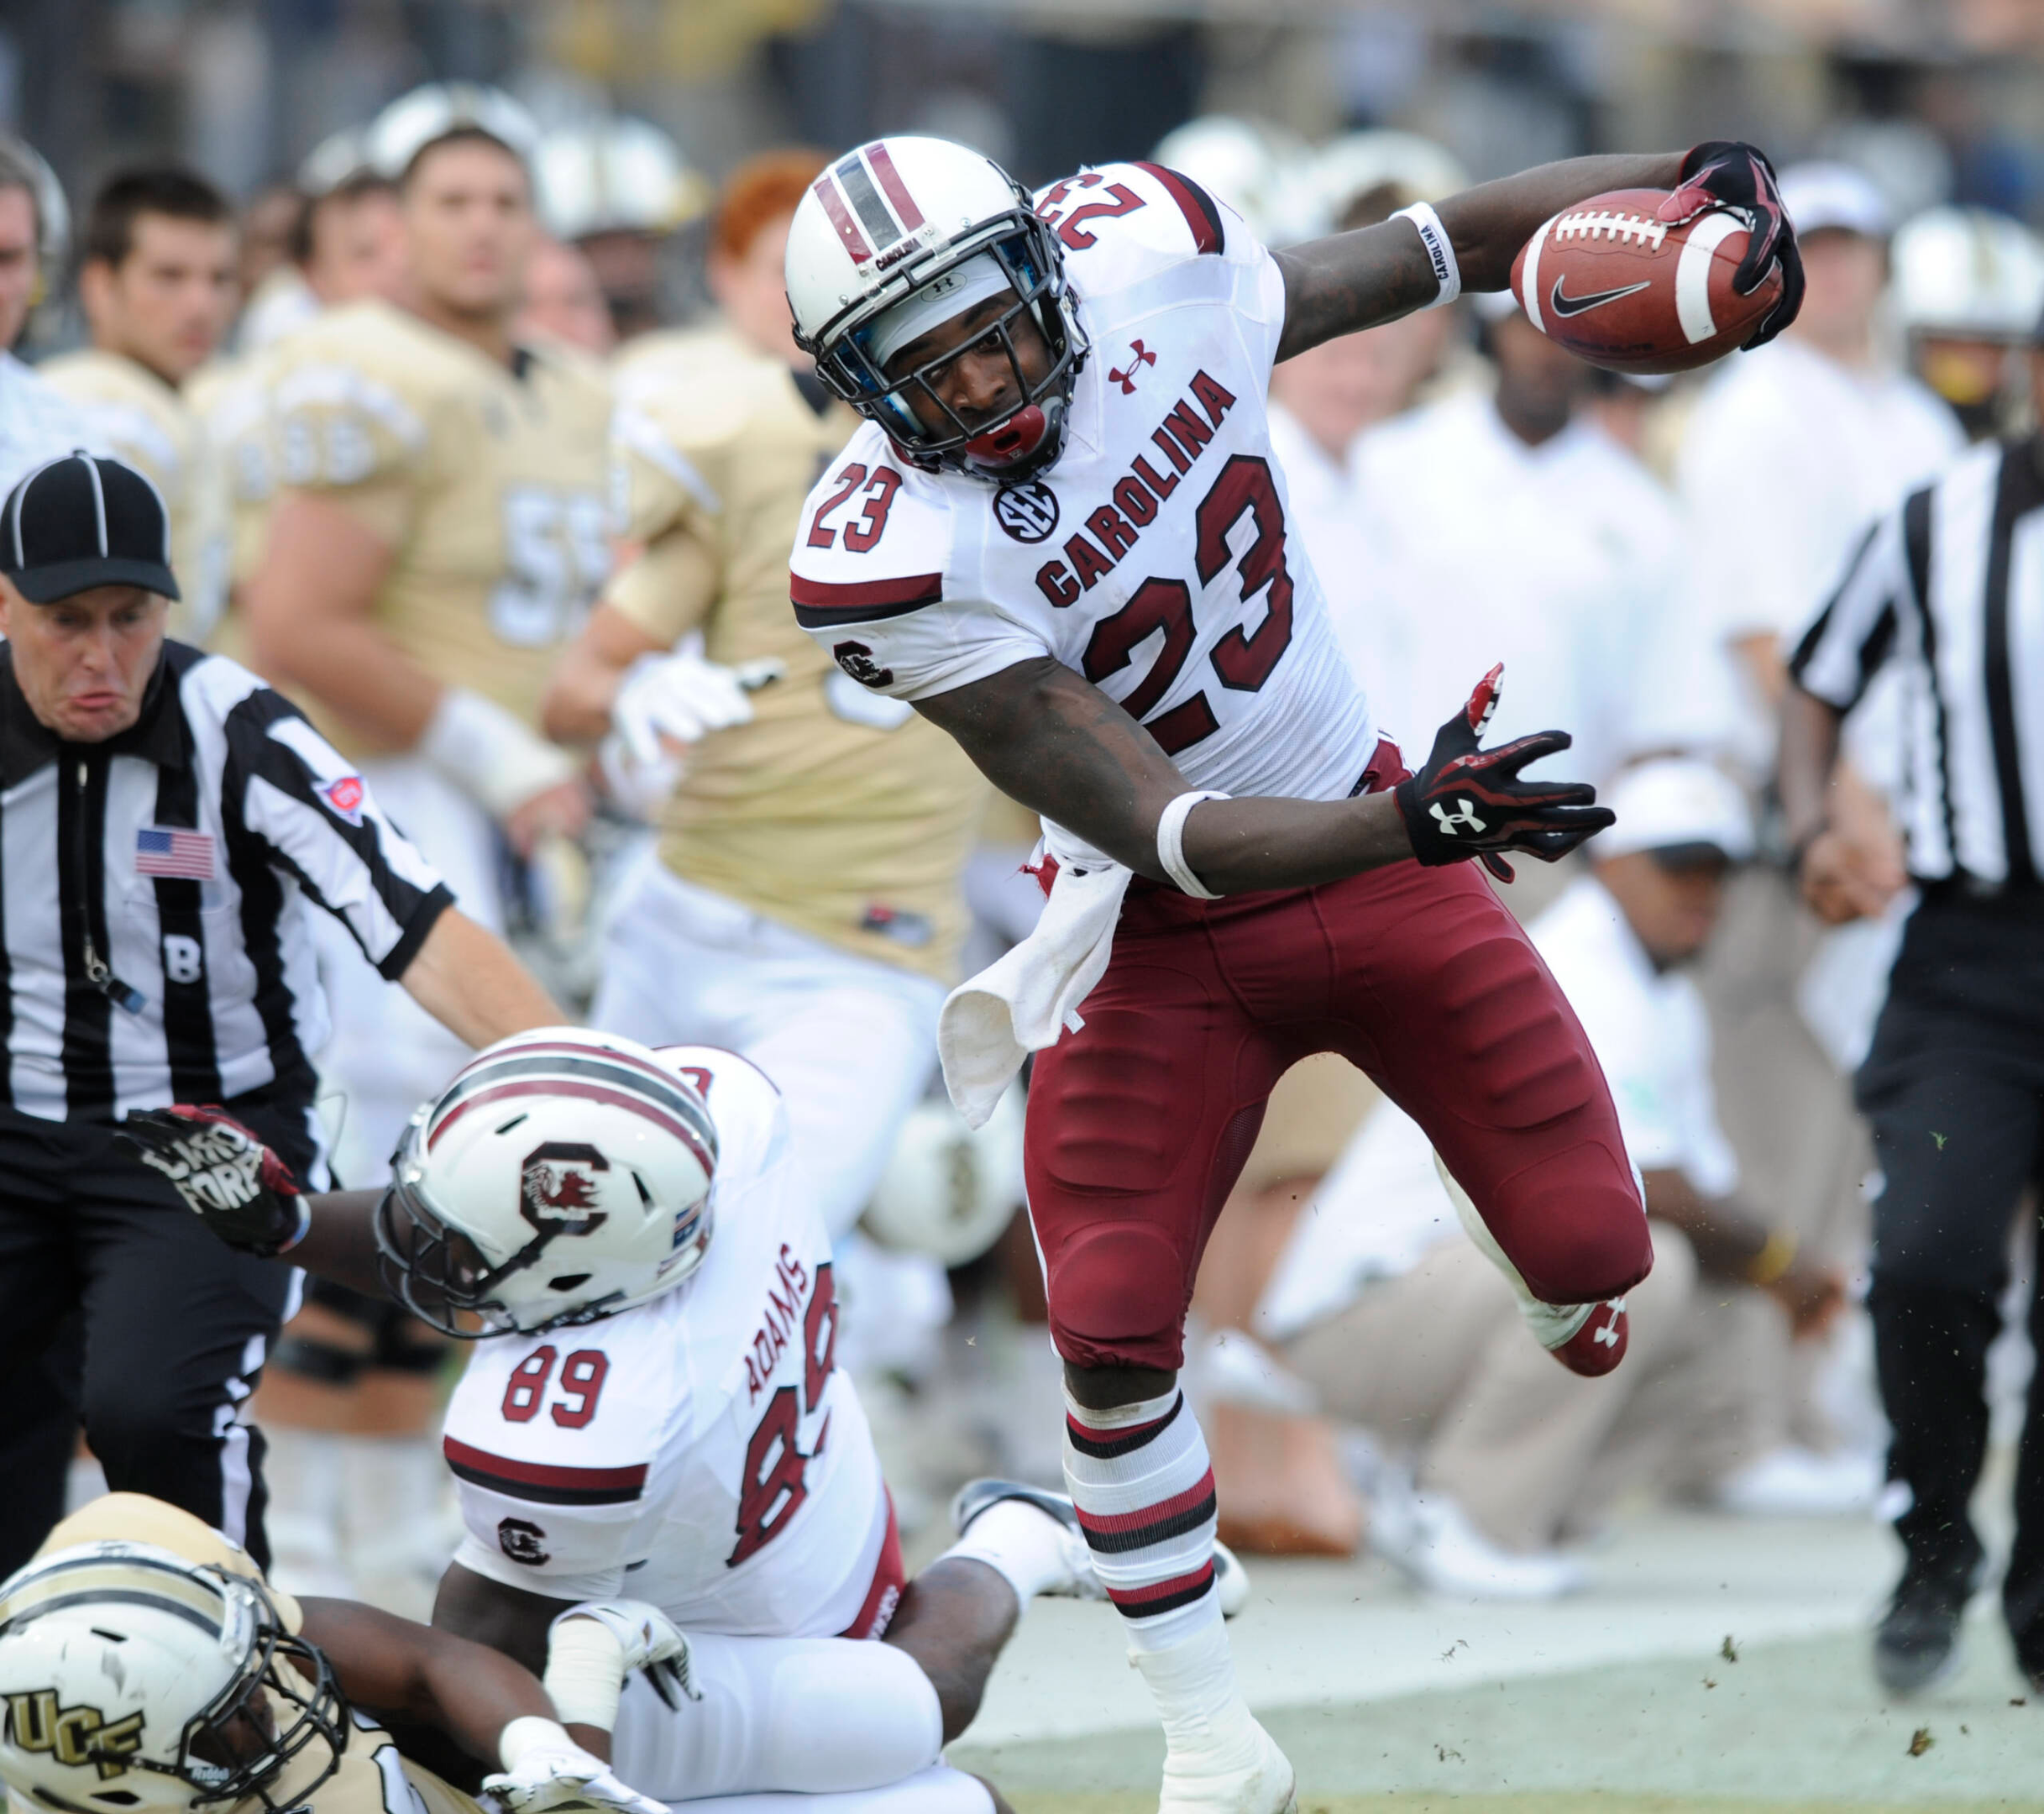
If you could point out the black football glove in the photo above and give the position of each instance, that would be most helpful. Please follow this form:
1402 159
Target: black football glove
1723 173
1466 801
228 1178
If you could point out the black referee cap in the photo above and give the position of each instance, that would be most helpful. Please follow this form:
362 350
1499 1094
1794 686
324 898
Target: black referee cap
81 522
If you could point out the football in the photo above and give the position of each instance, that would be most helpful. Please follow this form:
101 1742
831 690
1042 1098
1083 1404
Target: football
1623 289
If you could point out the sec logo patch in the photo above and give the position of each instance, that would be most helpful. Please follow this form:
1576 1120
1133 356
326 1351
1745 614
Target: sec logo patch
1028 512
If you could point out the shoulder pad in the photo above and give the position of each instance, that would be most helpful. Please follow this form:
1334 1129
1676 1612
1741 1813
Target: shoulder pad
1121 223
873 540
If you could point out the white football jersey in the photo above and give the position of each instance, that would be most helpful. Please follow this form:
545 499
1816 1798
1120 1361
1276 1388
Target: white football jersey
1156 556
701 1451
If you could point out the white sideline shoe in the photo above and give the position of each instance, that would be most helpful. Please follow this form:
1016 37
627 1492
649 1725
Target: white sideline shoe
1796 1482
1431 1540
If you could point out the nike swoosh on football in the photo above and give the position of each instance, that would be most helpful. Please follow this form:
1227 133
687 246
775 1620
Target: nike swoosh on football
1565 306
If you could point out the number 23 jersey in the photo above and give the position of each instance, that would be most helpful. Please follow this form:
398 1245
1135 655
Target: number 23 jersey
1156 556
701 1451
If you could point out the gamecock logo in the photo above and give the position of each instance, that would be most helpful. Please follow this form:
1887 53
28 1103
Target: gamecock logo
1028 512
523 1542
858 661
556 1187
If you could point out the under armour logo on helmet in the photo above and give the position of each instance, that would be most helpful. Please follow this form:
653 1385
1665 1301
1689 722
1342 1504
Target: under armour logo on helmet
1139 356
1453 824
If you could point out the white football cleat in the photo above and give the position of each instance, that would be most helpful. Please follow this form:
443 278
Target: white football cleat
1080 1582
1434 1543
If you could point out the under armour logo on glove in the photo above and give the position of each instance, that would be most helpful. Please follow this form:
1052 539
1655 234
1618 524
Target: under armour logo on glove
228 1177
1545 819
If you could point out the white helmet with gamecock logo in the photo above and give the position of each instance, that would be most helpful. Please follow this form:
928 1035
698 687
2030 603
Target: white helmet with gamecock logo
900 236
563 1176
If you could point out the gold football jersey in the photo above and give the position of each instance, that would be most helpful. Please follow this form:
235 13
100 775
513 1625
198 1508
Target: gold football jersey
360 1784
133 415
489 485
231 398
834 811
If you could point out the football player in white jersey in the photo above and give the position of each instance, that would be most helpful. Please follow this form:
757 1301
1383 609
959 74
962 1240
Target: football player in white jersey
1062 535
659 1416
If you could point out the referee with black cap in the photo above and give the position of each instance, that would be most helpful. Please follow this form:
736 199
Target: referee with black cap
167 824
1949 591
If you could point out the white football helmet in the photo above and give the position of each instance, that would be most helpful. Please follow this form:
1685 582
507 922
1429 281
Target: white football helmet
949 1189
1261 170
898 238
1403 166
615 176
135 1681
1967 273
563 1176
393 140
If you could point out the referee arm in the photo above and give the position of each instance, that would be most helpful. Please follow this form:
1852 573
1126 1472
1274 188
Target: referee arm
1847 868
466 977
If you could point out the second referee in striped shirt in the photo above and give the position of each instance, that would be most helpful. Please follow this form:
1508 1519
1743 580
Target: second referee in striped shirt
1949 589
167 824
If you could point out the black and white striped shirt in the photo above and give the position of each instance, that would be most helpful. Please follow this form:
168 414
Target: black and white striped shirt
154 938
1951 587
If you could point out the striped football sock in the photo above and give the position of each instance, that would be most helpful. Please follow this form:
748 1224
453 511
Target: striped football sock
1144 1487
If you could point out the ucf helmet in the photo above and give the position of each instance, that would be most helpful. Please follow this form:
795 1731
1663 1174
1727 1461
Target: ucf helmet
137 1682
900 236
562 1176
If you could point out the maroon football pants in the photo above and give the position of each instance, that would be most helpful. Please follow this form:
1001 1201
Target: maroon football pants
1139 1122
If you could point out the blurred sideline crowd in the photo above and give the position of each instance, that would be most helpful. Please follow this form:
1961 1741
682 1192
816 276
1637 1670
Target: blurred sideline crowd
694 828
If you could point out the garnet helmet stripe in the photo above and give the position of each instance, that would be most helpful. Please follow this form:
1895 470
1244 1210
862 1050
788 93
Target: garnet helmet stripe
840 218
616 1070
893 187
704 1155
865 199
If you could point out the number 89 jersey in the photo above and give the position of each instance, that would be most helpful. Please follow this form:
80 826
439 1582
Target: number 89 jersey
702 1451
1156 556
488 486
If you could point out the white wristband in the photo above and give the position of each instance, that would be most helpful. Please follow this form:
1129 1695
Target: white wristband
585 1673
1440 251
491 755
1171 845
528 1733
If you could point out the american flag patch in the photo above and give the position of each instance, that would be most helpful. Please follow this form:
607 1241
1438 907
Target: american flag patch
160 851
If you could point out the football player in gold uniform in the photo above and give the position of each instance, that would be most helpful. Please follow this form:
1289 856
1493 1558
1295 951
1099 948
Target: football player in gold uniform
344 246
806 909
158 286
440 527
146 1666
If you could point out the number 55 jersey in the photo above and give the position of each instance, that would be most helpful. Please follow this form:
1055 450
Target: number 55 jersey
489 483
701 1451
1156 556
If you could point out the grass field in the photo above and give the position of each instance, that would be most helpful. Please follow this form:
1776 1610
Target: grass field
1624 1702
